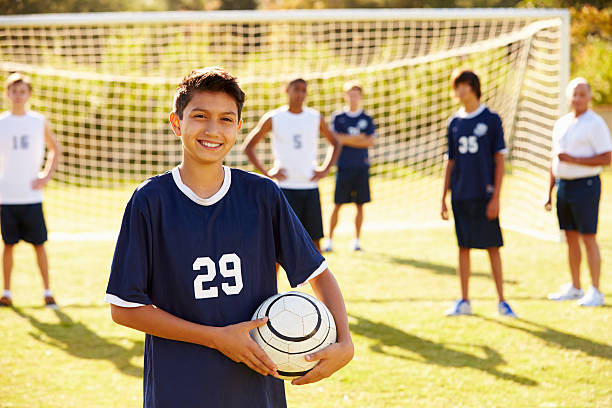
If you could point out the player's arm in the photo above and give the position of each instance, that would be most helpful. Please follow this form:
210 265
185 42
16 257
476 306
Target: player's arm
448 170
234 340
55 151
602 159
248 147
333 152
337 355
551 185
361 140
493 205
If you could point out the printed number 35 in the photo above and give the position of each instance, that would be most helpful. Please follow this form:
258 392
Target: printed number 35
468 144
229 267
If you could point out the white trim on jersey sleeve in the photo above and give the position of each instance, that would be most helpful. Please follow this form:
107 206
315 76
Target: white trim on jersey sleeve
215 198
116 300
316 273
503 151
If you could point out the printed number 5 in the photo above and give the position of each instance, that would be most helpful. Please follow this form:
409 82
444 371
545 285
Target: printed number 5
235 271
468 144
297 141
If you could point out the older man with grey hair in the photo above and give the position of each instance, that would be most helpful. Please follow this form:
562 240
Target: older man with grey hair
581 146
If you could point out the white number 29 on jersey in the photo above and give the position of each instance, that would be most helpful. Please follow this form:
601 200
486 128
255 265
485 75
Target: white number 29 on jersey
468 144
229 267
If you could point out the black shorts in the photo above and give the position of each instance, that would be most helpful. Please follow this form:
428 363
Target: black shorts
23 221
473 228
352 185
307 206
578 204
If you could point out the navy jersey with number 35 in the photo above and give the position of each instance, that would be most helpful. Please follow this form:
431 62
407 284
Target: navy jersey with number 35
212 262
473 141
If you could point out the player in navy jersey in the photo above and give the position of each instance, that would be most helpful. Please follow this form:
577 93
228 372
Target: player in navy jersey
474 172
356 132
196 255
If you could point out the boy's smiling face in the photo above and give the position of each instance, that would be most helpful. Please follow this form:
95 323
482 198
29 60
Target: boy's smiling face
209 127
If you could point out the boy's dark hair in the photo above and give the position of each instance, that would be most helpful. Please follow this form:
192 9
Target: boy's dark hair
467 77
295 81
209 79
18 78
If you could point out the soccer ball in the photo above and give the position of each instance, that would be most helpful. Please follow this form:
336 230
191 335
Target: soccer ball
298 324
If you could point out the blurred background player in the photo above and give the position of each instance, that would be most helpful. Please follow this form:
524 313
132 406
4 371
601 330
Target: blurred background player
474 172
581 146
23 136
295 139
356 132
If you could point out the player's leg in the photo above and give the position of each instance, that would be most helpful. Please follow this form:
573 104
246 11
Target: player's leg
358 220
568 224
361 187
9 224
496 271
593 257
464 272
342 195
574 256
7 268
461 214
333 222
43 264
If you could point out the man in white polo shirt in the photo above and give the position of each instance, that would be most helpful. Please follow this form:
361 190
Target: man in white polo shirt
581 146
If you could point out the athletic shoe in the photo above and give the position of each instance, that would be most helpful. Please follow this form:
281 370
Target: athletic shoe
355 245
50 302
593 297
327 245
6 301
460 307
504 309
566 292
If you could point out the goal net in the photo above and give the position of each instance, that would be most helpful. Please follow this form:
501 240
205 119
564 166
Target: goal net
105 81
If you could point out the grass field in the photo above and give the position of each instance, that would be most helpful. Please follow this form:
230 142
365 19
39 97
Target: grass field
407 353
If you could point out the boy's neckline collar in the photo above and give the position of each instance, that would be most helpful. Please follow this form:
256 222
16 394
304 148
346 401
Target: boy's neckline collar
215 198
463 115
352 114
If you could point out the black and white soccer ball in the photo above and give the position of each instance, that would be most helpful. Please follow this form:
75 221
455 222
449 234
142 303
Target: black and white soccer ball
298 324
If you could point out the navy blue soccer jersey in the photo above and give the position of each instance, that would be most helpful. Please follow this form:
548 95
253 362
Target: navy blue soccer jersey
209 261
353 123
473 141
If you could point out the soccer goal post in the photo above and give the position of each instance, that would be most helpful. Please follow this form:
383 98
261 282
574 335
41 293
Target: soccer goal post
106 80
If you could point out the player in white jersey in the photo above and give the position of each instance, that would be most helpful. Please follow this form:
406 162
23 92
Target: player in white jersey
295 132
581 146
23 137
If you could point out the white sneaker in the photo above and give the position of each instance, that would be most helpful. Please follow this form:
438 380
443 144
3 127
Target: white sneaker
566 292
327 245
460 307
593 297
355 245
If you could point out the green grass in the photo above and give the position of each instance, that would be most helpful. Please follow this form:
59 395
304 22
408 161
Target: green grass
407 352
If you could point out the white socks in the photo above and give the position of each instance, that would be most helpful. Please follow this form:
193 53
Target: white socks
7 293
47 293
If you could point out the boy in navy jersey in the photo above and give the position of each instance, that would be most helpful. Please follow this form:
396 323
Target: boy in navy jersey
474 172
196 255
355 131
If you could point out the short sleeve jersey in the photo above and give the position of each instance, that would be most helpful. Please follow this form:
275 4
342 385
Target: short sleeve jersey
584 136
473 141
295 141
212 262
22 151
353 123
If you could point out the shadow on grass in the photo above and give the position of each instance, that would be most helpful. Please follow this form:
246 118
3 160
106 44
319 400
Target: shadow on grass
562 339
80 341
431 352
439 269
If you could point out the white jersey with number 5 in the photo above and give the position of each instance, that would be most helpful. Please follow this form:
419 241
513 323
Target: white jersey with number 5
22 150
295 139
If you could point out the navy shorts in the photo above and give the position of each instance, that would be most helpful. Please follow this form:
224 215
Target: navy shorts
352 185
23 222
307 206
578 204
473 228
